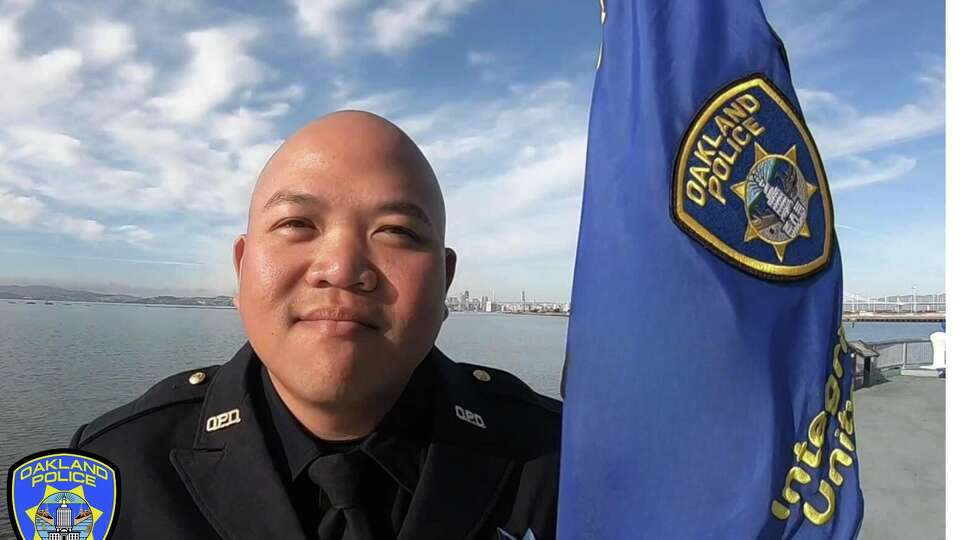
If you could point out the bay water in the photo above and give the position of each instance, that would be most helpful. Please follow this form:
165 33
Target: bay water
61 365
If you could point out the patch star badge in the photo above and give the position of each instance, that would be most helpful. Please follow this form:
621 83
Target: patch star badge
63 495
775 197
749 183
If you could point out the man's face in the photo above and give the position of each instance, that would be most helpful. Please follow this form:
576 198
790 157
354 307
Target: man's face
343 271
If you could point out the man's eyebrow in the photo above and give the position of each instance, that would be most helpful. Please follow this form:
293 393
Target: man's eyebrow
405 208
286 196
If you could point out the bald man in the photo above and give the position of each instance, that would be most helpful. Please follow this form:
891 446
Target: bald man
339 419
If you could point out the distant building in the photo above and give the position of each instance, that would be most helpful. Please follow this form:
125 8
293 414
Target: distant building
904 303
63 524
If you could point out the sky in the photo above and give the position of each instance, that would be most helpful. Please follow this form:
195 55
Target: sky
131 134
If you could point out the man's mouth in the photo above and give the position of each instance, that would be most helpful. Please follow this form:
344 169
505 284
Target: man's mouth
338 321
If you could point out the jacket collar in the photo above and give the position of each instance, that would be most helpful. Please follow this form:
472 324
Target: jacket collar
464 473
458 484
229 471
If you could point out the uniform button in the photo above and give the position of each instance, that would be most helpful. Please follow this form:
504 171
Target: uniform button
481 375
198 377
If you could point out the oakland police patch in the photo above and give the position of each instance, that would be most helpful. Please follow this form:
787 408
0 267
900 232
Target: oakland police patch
63 495
749 183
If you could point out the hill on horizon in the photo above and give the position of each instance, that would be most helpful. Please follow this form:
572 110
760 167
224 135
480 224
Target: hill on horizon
49 293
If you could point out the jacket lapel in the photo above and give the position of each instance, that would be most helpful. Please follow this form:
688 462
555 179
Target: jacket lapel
463 476
232 478
460 496
229 471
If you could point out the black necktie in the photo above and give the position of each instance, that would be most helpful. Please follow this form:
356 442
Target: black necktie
340 478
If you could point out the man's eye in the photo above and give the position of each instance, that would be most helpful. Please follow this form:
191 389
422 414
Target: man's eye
294 224
401 231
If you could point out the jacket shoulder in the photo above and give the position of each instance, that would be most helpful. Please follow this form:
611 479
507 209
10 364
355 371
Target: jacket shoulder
495 408
505 384
182 388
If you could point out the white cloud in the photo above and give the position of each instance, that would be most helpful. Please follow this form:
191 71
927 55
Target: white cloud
461 139
292 92
84 229
857 230
481 58
105 42
28 211
530 210
34 144
275 110
19 210
840 129
404 23
15 8
511 168
12 177
382 103
31 82
867 172
330 21
138 75
219 66
133 234
122 287
345 95
119 146
22 211
346 25
185 170
127 85
253 158
240 127
814 26
491 66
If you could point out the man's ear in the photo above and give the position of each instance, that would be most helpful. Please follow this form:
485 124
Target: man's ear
451 265
238 246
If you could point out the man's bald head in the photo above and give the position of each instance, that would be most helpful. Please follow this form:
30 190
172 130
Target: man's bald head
361 138
343 273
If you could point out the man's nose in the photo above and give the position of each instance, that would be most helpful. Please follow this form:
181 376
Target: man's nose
342 262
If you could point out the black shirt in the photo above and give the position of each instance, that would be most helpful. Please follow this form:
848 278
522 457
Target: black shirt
396 449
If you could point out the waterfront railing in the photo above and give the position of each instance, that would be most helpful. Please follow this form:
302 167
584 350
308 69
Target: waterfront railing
877 358
902 353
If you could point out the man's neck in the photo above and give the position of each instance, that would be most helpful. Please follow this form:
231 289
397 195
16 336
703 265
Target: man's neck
333 422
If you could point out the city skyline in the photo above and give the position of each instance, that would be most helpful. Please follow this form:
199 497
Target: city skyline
475 294
133 134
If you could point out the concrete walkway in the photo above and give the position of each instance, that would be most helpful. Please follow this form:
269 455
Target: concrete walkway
901 447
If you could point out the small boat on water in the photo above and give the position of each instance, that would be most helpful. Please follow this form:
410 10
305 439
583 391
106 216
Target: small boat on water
48 303
31 302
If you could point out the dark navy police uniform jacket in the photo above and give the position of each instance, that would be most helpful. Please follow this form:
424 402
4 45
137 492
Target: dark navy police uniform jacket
195 461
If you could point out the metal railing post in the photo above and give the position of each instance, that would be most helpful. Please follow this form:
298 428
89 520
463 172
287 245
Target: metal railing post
903 356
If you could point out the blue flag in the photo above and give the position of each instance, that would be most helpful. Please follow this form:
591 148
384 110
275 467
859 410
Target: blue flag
708 383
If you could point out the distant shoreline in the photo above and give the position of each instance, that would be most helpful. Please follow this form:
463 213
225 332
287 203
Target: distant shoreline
44 293
41 302
540 313
893 318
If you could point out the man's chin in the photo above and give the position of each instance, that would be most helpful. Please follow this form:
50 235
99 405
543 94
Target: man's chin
337 357
338 377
